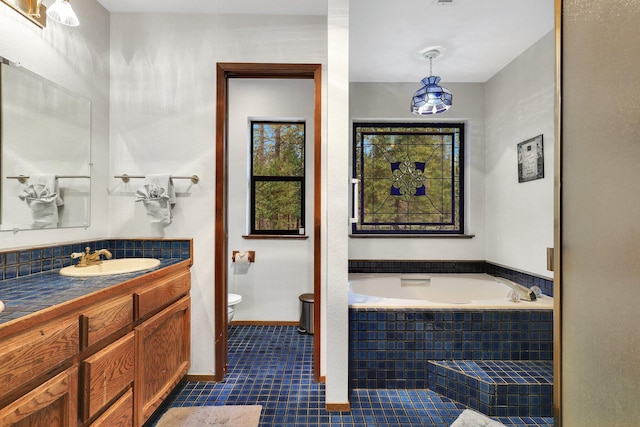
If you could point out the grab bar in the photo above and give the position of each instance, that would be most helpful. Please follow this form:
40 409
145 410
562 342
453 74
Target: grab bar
354 201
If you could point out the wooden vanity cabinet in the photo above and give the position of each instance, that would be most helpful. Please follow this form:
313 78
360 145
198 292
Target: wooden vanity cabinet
107 359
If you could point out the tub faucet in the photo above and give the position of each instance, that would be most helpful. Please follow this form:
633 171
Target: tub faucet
87 258
521 292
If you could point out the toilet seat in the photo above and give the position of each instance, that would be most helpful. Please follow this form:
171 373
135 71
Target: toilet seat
233 299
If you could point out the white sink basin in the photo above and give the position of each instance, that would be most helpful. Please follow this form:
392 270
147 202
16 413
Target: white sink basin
1 306
112 266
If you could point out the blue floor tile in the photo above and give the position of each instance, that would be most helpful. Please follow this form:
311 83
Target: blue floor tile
272 366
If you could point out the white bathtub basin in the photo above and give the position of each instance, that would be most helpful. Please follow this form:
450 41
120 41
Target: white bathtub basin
112 266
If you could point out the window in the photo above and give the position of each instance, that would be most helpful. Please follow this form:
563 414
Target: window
277 177
410 178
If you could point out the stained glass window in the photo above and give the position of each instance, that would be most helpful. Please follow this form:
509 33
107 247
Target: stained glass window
277 177
410 178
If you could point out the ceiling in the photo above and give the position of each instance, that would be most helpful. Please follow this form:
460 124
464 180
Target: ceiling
387 37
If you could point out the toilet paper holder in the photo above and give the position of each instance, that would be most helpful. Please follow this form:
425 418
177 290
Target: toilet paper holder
251 255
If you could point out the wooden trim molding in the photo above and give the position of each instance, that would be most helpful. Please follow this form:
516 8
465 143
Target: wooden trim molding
338 407
225 71
199 378
557 239
264 323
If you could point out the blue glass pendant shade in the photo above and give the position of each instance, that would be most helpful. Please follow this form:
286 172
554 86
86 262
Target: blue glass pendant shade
431 98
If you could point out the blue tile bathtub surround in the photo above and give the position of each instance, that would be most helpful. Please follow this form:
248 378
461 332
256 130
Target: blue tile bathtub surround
496 388
390 348
524 279
381 266
20 263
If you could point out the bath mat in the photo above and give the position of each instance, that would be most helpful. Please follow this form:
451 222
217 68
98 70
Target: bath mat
469 418
212 416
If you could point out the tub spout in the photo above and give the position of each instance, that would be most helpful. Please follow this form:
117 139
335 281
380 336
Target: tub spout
523 292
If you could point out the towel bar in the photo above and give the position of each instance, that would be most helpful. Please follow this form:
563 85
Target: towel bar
23 178
125 178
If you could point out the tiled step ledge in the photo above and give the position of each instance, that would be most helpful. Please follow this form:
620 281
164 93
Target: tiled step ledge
496 387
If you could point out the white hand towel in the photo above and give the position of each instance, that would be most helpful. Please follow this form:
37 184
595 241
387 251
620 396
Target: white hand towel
42 204
156 202
469 418
50 181
163 181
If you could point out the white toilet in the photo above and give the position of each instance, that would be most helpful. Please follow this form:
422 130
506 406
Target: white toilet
232 299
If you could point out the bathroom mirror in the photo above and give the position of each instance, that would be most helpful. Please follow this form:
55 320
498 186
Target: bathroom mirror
45 134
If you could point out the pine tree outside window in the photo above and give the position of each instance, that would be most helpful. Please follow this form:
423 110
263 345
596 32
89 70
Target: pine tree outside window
277 177
411 178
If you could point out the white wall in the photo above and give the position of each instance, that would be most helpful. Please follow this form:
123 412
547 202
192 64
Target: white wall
520 105
335 308
77 59
283 268
390 101
600 206
163 70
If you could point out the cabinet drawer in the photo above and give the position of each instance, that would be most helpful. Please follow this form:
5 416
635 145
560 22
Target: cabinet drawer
120 414
33 353
161 294
52 404
106 374
105 319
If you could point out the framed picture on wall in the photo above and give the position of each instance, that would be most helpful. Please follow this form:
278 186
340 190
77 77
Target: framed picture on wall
530 159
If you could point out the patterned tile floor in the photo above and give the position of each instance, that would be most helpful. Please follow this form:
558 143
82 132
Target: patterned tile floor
272 366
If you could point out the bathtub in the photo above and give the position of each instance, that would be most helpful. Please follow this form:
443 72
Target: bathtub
459 291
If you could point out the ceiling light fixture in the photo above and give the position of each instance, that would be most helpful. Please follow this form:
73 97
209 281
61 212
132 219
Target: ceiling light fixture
62 12
431 98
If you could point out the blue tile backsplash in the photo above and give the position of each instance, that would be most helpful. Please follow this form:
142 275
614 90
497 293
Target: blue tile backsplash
20 263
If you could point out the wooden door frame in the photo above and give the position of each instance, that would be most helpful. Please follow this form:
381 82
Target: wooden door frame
224 72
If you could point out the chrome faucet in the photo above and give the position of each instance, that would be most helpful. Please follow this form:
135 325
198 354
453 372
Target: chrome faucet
87 258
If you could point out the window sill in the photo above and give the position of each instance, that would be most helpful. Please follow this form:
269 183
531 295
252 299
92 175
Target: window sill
275 236
412 236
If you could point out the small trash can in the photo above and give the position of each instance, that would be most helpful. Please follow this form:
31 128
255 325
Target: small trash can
306 317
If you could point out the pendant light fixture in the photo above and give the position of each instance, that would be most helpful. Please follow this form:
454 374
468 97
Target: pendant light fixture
431 98
62 12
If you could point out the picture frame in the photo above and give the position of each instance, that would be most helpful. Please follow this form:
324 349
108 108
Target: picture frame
531 159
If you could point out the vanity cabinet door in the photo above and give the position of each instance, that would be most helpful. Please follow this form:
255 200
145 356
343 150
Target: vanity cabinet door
53 404
162 357
107 374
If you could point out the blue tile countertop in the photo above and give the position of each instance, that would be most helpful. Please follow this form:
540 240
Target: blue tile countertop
26 295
